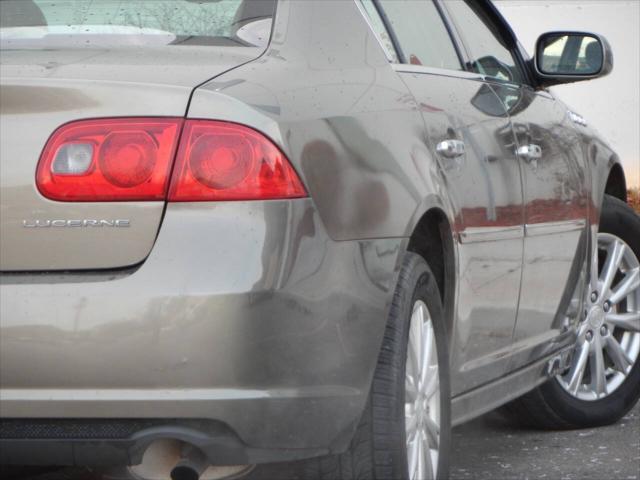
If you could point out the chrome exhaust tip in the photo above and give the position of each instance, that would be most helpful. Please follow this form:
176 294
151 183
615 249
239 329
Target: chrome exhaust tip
171 458
191 464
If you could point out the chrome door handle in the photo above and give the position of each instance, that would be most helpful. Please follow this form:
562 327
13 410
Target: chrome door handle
529 152
450 148
577 119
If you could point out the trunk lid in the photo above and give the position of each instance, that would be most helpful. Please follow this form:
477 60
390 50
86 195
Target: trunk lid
43 89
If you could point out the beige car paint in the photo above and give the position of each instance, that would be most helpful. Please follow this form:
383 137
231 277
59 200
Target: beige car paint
43 89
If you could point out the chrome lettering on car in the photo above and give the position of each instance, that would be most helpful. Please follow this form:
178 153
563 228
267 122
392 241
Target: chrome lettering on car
61 223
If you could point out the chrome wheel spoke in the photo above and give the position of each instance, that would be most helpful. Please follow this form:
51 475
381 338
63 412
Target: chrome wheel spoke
427 351
625 321
415 347
578 367
630 283
598 379
411 389
594 267
420 455
612 264
619 357
426 458
413 453
410 422
431 386
433 433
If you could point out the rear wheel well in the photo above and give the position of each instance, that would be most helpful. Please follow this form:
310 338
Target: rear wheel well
616 184
432 239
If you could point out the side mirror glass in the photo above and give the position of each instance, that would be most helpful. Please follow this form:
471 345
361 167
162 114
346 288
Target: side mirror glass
564 57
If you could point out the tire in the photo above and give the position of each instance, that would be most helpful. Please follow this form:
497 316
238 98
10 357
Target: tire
551 405
378 450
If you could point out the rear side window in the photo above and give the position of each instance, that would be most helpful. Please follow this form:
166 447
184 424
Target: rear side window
421 33
491 55
74 23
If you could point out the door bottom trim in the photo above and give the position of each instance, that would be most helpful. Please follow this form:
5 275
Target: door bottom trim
485 398
551 228
491 234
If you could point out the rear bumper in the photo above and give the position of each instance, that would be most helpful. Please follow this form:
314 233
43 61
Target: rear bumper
244 314
119 442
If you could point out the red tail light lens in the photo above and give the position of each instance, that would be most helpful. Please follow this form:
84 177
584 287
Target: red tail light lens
227 161
109 160
131 159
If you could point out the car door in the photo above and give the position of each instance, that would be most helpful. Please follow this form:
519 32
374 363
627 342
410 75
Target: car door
469 135
554 182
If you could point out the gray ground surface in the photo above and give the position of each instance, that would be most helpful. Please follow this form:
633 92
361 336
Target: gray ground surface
490 448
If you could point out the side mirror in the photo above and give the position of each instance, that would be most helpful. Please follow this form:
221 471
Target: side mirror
566 57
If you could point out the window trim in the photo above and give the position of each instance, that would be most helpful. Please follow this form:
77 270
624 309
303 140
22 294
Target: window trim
390 31
459 47
402 65
365 14
441 72
459 44
401 56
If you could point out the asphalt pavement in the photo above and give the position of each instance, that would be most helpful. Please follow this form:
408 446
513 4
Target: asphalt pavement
491 448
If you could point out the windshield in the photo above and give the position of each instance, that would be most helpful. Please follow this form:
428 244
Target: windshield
108 23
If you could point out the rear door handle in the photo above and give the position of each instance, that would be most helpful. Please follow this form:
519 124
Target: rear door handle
529 152
450 148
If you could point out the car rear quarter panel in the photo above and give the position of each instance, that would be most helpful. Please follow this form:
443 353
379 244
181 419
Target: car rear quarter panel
325 93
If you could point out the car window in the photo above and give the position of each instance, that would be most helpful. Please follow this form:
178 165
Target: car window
421 33
490 53
378 26
72 23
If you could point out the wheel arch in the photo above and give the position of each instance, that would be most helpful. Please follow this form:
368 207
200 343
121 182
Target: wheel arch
616 184
433 239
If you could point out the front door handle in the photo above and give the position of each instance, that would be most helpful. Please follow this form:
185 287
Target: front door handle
529 152
450 148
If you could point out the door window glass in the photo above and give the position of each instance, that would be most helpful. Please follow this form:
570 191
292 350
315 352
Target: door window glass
491 56
421 33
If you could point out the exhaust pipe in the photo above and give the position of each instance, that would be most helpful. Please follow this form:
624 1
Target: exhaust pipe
168 458
191 465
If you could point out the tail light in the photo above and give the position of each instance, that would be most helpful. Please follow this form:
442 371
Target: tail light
109 160
132 158
226 161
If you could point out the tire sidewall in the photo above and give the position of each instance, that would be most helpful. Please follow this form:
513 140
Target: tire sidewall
421 285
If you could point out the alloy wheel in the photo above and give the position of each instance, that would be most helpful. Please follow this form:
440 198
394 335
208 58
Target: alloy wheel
422 396
608 342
